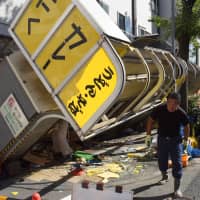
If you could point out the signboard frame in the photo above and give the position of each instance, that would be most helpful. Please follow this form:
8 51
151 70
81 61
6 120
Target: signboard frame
102 43
108 103
46 39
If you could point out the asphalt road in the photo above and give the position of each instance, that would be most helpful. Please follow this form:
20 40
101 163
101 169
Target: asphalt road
143 184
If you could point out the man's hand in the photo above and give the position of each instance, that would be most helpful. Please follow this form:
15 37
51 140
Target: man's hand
148 140
185 145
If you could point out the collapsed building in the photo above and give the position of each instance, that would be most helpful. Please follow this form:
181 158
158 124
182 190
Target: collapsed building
112 81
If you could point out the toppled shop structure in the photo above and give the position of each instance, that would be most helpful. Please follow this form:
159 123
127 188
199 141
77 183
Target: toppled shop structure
80 67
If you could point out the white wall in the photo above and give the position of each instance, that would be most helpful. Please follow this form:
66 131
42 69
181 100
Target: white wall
143 13
124 7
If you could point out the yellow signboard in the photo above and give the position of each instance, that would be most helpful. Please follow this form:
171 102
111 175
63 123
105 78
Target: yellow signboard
66 49
37 20
70 43
84 95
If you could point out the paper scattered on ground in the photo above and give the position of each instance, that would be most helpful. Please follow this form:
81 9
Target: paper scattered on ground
138 169
67 198
52 174
79 179
108 170
107 175
14 193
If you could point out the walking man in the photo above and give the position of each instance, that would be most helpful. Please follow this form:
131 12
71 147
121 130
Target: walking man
170 117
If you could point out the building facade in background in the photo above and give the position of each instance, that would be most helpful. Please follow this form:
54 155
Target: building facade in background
122 13
132 16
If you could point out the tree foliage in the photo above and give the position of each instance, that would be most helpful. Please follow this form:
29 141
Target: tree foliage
187 25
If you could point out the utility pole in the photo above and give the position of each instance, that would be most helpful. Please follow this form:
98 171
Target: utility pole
133 17
184 87
173 7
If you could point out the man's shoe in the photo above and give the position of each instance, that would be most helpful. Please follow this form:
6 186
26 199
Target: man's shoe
178 194
177 190
163 180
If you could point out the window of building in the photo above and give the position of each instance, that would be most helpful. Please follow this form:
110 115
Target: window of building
142 31
154 7
121 21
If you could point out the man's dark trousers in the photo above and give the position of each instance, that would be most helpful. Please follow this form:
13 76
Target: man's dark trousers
170 146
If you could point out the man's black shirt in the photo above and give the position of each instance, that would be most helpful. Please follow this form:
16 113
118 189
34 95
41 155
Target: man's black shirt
169 123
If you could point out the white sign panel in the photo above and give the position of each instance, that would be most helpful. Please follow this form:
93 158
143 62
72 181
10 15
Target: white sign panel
13 115
80 193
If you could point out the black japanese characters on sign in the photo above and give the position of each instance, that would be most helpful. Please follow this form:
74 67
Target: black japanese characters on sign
44 5
91 90
56 56
30 21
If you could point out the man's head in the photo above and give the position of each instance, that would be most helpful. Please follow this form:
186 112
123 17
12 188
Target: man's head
173 101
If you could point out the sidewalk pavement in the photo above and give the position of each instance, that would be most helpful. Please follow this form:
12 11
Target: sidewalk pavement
142 182
146 186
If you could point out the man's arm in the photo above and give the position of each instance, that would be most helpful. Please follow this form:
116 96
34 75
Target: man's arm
185 139
149 125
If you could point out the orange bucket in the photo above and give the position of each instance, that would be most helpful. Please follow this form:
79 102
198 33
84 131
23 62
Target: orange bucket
185 160
3 197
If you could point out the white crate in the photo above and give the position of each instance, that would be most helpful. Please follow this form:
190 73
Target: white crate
91 193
